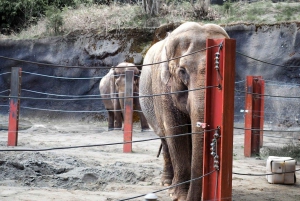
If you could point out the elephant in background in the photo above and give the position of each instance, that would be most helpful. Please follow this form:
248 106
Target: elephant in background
178 113
112 87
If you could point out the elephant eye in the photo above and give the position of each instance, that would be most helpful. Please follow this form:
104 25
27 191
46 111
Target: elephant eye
183 75
182 71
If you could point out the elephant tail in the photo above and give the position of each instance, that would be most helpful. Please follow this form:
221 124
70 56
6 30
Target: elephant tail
159 150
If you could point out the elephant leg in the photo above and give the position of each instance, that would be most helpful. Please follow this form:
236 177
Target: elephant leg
111 120
144 123
181 160
167 175
118 114
118 120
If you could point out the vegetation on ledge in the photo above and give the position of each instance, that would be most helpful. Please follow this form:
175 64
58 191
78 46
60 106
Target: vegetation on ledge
42 18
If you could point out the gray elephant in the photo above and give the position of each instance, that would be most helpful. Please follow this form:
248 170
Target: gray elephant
112 88
178 113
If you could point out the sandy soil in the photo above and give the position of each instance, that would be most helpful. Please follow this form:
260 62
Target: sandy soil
105 172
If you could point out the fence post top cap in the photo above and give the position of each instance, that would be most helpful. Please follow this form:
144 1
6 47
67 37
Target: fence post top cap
150 196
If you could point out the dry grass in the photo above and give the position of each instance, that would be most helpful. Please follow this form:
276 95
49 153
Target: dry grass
100 17
105 18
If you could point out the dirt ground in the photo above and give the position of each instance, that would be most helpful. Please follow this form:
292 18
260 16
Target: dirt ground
105 173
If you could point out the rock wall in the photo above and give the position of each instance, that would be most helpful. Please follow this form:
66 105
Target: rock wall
278 44
97 51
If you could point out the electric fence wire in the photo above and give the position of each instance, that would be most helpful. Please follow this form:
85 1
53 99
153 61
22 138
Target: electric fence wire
172 186
265 174
94 67
106 144
4 91
265 62
240 81
72 78
271 130
77 96
61 95
236 173
77 99
75 111
269 136
266 95
5 73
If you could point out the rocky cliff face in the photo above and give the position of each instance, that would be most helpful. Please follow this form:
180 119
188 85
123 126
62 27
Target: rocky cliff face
95 52
278 44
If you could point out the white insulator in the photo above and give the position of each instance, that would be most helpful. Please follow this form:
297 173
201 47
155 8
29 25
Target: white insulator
151 197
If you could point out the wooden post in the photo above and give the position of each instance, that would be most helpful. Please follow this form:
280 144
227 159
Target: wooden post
219 113
14 105
254 115
128 113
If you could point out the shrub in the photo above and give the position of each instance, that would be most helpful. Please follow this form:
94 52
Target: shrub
54 20
19 14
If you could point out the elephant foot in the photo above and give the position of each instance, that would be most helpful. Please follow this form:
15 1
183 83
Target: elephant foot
177 196
179 192
166 182
110 129
117 129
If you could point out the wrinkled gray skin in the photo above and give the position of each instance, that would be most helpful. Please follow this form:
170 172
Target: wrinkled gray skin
170 115
112 85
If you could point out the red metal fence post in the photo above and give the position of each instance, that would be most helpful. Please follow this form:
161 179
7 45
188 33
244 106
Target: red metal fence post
248 116
219 113
262 110
14 105
128 111
254 115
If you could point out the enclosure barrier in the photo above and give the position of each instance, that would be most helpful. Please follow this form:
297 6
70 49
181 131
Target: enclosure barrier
220 129
14 105
254 115
128 111
219 114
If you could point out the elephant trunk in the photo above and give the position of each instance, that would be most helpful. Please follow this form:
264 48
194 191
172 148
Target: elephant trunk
196 108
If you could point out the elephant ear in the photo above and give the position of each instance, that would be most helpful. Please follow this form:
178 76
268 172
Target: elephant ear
165 72
112 83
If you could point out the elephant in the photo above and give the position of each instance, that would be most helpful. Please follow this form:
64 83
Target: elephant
112 88
166 69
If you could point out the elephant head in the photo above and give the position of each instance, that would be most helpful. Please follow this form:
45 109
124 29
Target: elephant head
119 74
119 81
182 75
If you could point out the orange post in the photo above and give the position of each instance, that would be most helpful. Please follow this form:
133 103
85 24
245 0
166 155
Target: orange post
219 113
254 115
128 111
14 105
